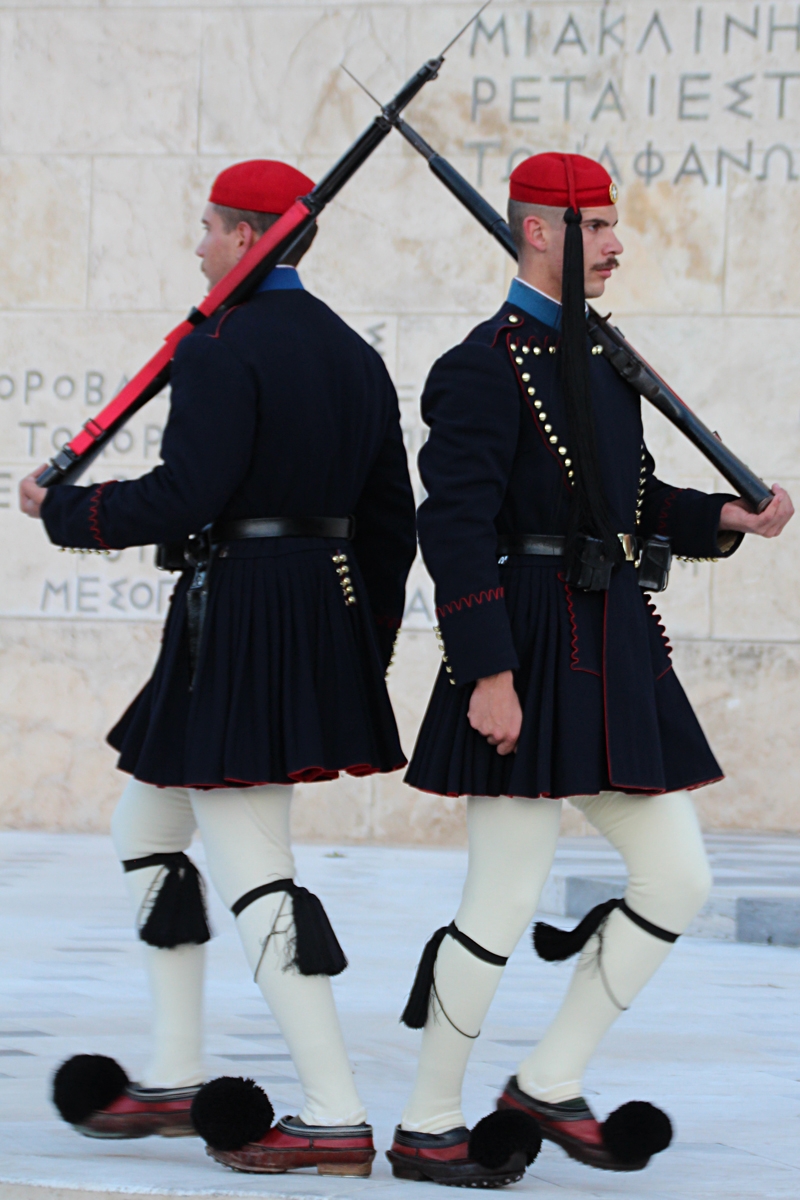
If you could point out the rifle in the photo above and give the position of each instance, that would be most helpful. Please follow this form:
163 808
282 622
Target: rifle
627 361
240 282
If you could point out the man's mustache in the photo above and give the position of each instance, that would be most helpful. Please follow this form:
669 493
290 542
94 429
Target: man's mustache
610 264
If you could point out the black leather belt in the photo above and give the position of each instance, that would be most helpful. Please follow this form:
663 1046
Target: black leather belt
275 527
551 544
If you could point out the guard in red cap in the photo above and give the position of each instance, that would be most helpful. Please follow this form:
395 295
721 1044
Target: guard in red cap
285 501
544 528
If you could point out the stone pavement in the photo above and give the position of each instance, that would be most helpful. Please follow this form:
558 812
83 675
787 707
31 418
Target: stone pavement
714 1039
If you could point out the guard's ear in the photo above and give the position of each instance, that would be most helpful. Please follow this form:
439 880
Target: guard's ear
537 233
246 237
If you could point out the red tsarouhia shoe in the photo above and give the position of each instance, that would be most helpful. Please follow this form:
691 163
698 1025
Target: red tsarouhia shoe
495 1154
626 1141
234 1117
95 1096
291 1144
139 1111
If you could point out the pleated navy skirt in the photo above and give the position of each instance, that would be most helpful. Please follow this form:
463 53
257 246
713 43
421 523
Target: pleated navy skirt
602 706
289 685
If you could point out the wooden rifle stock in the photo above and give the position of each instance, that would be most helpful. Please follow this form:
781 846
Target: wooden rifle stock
622 356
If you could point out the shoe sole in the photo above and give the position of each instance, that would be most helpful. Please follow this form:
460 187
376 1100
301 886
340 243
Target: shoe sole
417 1173
356 1170
585 1155
143 1131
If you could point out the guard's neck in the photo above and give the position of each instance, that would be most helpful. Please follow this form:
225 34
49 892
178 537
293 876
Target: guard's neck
538 275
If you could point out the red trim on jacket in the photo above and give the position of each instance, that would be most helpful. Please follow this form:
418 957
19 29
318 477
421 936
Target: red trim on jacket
446 610
574 657
306 775
663 515
511 326
651 608
225 316
94 514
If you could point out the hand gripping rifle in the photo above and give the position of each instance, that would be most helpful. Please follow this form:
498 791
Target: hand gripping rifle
271 248
623 357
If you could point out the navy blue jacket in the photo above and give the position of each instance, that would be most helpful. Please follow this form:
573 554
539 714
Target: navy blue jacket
601 706
278 408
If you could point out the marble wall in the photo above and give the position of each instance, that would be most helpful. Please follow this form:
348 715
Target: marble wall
115 115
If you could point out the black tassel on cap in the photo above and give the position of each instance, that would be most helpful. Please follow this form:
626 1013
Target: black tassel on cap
415 1013
589 512
316 947
556 945
177 916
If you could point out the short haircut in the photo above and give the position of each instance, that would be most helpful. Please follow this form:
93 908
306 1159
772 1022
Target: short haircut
260 222
518 210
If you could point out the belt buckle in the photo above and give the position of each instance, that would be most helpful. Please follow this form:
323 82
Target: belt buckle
628 541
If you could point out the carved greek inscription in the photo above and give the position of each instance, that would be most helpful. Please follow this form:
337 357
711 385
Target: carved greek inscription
91 595
627 84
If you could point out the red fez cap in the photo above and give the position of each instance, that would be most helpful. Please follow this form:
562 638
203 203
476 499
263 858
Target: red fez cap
562 181
260 185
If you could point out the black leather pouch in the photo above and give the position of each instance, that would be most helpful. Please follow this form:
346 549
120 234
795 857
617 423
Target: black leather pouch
171 556
591 571
655 561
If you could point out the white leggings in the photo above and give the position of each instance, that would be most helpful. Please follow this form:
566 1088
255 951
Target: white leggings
511 848
245 832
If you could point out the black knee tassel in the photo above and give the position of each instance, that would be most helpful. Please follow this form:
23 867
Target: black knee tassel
177 916
317 949
415 1013
556 945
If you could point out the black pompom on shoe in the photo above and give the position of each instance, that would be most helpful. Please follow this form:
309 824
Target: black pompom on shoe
231 1111
636 1131
502 1134
86 1084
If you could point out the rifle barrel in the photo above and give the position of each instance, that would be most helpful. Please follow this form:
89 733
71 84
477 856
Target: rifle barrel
463 191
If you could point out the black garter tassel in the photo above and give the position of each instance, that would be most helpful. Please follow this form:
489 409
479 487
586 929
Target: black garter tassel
415 1013
556 945
317 950
178 913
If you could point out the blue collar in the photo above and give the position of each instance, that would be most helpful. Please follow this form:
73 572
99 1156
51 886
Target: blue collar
281 279
535 303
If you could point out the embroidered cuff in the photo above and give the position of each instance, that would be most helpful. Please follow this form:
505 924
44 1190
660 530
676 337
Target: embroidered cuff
477 638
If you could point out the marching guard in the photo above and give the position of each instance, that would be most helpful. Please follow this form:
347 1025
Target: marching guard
284 492
544 529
